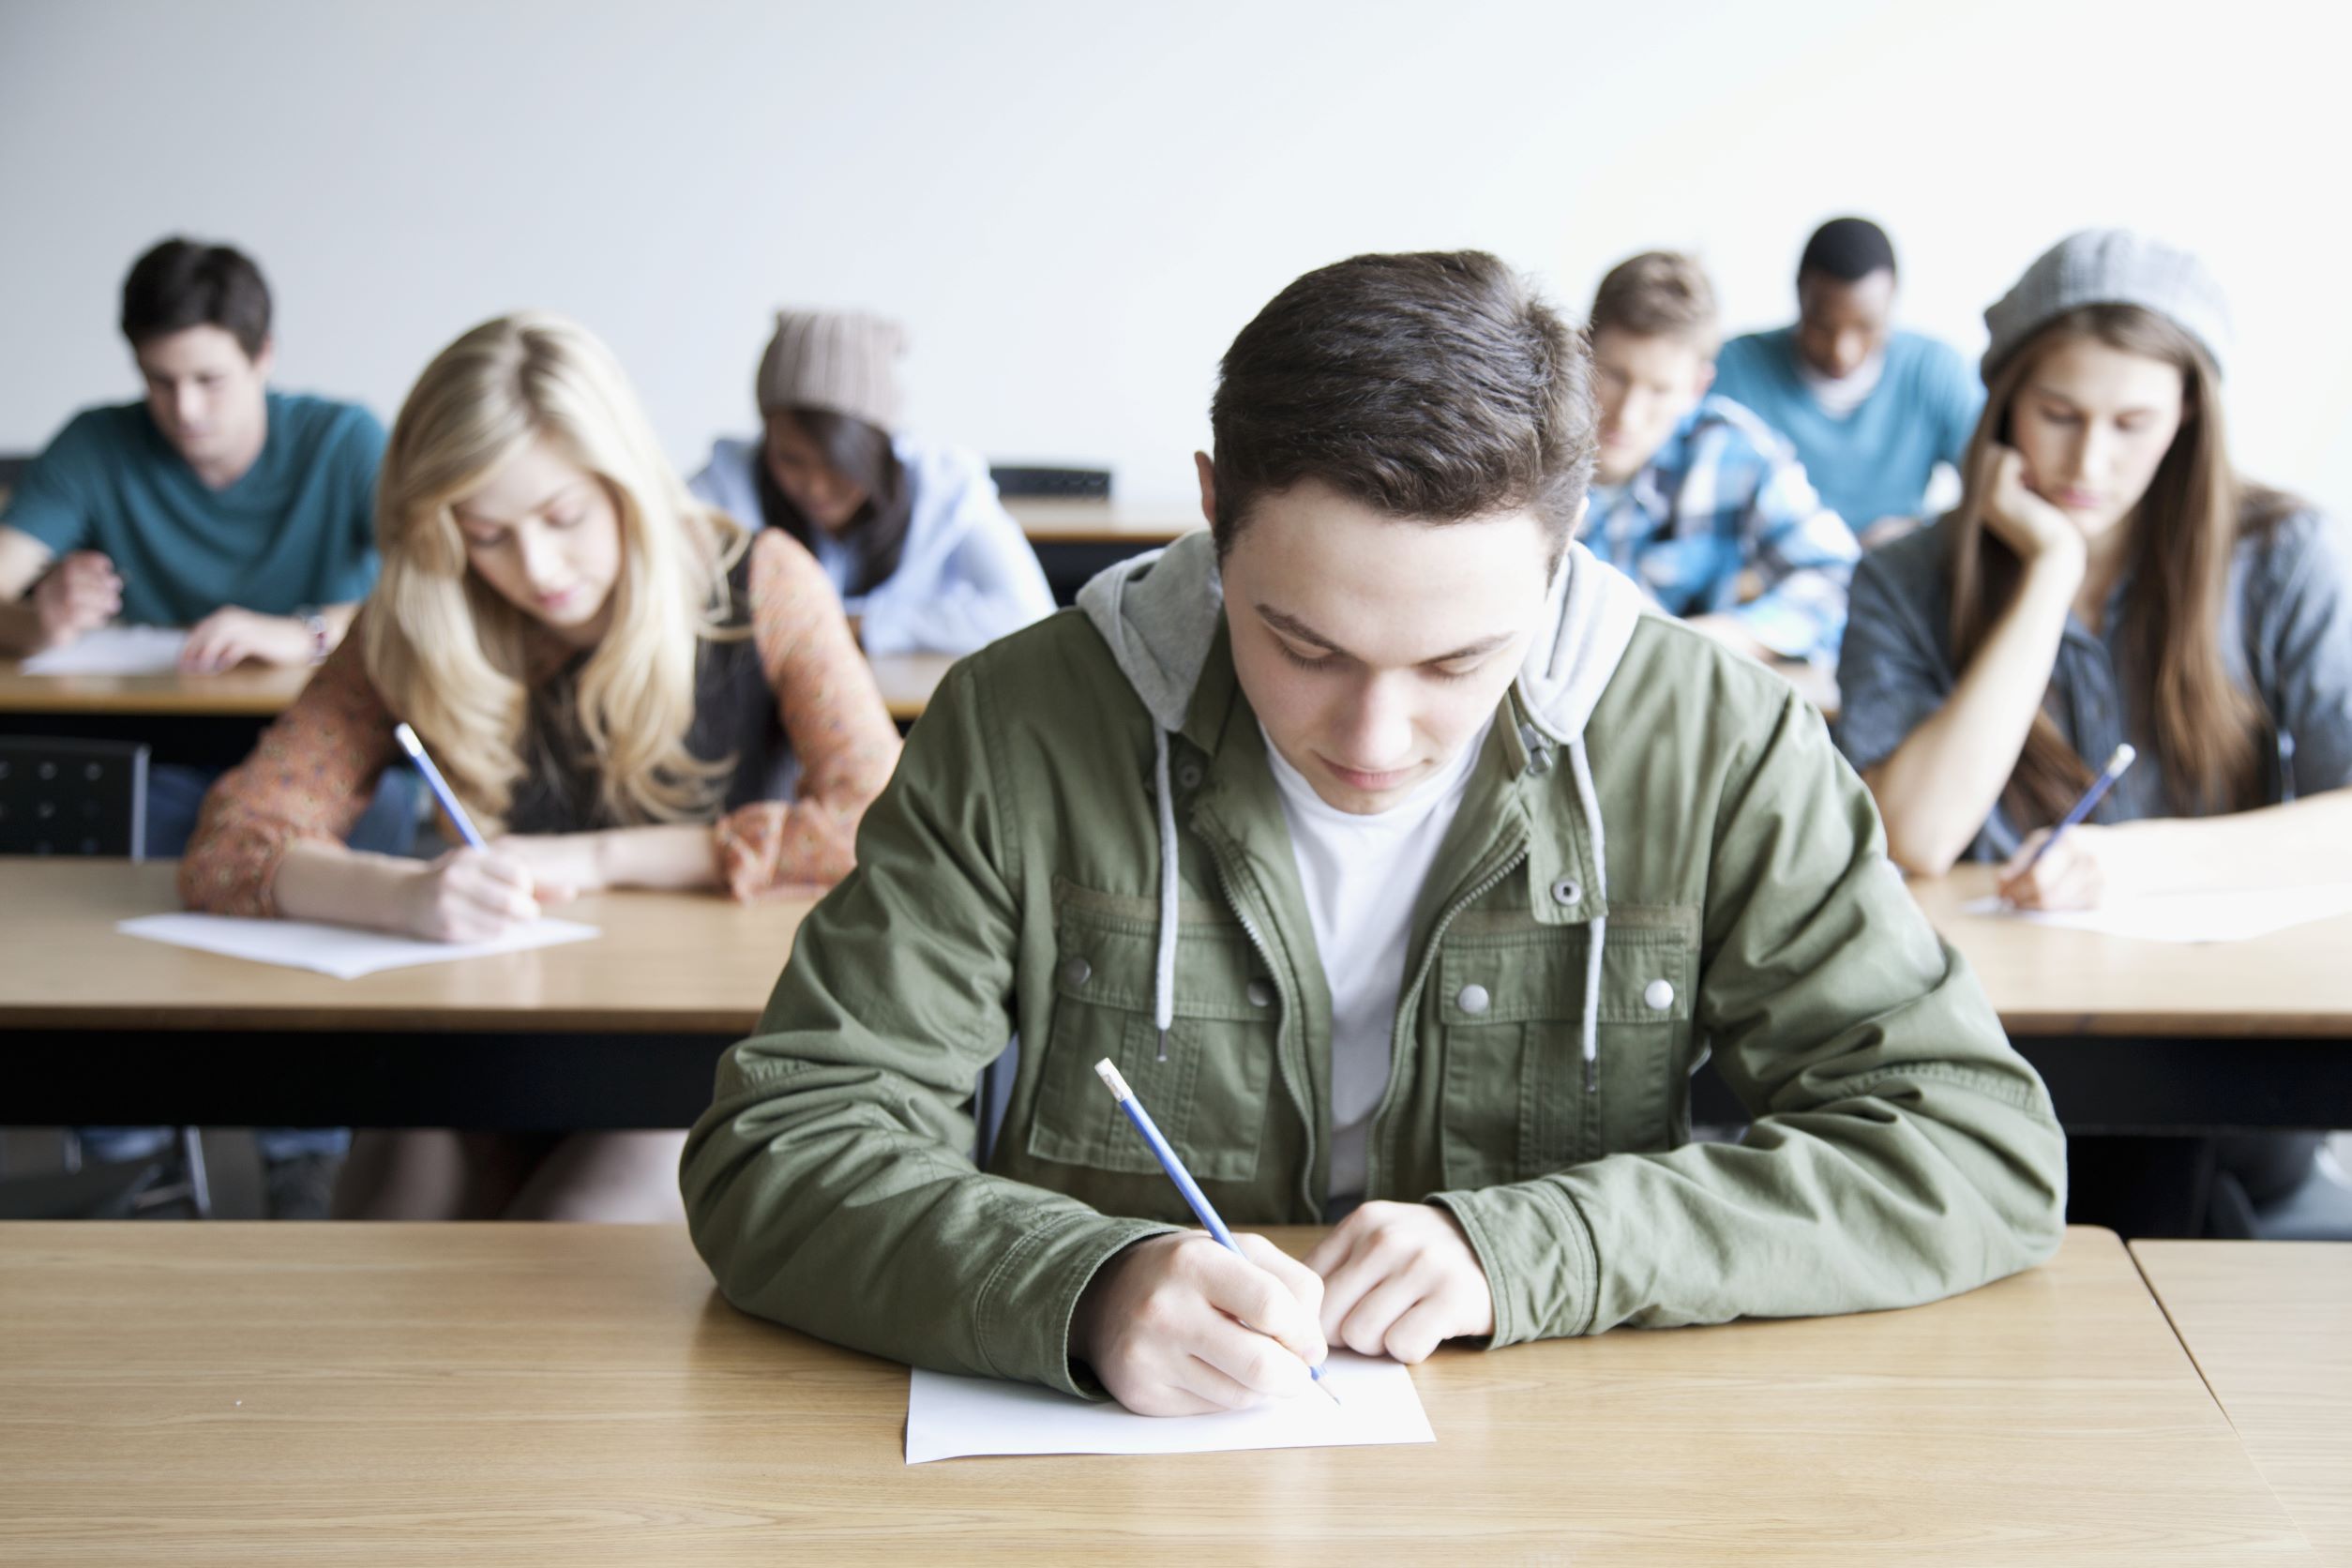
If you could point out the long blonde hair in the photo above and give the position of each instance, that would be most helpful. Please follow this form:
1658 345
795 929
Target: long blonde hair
2186 527
452 656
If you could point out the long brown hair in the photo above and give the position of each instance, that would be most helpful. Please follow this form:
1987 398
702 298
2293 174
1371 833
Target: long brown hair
863 454
2207 727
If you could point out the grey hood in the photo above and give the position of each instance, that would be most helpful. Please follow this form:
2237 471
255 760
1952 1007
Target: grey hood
1159 613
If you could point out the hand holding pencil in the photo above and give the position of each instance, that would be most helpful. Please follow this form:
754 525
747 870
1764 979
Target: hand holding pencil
1185 1324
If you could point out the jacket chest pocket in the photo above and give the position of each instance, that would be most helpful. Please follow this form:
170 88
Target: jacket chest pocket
1208 1094
1510 1010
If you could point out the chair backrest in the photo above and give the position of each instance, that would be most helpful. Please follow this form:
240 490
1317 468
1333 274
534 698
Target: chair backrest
12 467
76 797
1072 483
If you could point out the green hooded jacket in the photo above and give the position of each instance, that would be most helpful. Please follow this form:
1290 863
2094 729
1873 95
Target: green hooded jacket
1661 863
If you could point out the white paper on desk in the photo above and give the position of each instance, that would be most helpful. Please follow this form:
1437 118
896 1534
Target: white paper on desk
113 651
2237 915
948 1417
345 952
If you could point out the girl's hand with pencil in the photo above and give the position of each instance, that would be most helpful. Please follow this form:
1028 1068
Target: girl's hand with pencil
1177 1325
1399 1279
2073 875
472 895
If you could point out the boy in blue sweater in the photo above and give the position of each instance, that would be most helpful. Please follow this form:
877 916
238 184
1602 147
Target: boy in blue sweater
1870 410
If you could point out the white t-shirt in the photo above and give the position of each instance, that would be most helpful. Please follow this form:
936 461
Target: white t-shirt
1840 396
1363 875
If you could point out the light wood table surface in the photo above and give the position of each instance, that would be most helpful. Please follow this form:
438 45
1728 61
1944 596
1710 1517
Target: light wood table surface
2269 1325
250 691
620 1032
256 692
2049 980
666 962
569 1394
908 680
1056 520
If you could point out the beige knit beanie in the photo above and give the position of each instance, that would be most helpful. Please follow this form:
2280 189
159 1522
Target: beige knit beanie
836 360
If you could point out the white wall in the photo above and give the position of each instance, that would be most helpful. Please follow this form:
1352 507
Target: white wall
1076 205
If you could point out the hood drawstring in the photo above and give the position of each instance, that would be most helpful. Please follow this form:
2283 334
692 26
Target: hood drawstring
1581 765
1164 966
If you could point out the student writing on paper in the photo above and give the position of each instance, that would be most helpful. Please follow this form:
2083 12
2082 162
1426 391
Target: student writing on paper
1871 410
1692 496
1408 867
2108 578
624 687
218 503
911 532
213 503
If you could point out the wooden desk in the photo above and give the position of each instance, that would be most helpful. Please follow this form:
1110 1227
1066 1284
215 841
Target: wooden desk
239 701
574 1395
1075 539
2165 1036
908 680
621 1031
199 720
2269 1326
2049 980
250 691
1061 521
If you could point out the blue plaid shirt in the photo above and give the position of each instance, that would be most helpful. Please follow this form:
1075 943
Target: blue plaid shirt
1725 497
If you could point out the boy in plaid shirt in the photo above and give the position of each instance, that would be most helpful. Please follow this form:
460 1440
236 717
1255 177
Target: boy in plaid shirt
1694 498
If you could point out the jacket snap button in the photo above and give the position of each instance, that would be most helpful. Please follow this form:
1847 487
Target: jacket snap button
1659 994
1262 993
1473 1000
1566 892
1188 775
1076 972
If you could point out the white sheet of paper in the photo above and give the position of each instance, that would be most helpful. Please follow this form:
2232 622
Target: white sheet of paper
2237 915
345 952
113 651
949 1417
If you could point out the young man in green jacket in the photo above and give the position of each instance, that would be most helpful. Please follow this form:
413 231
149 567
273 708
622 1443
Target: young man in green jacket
1408 870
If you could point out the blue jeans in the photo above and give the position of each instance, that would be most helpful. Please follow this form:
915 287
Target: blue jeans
174 797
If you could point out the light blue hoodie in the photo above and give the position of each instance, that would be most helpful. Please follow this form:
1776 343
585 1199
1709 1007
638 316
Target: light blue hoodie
966 576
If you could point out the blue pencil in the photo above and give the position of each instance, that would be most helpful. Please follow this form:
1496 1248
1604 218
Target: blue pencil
448 798
2091 797
1109 1071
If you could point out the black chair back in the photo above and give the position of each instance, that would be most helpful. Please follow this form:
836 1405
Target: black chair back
76 797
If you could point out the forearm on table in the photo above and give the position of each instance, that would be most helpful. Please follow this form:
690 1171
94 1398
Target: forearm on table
669 856
319 880
1937 789
2303 844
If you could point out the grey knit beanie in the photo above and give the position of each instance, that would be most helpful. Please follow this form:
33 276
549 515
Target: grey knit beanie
2110 266
838 360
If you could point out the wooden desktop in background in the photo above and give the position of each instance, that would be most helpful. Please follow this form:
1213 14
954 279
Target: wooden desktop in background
667 962
569 1394
2051 981
257 692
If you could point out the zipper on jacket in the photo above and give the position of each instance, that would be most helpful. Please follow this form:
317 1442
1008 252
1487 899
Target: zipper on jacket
1408 1003
1226 877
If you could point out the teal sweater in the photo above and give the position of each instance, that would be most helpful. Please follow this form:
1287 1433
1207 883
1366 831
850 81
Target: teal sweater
1876 462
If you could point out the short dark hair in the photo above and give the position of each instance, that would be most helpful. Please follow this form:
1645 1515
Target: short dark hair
1849 249
1437 385
1658 293
180 284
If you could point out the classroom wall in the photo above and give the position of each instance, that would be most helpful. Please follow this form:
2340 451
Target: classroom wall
1075 206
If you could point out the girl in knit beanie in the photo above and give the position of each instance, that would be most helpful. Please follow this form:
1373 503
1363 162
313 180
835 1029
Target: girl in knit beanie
2108 578
924 556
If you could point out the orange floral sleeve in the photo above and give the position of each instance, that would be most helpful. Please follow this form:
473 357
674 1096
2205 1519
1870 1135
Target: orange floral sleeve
310 777
834 718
